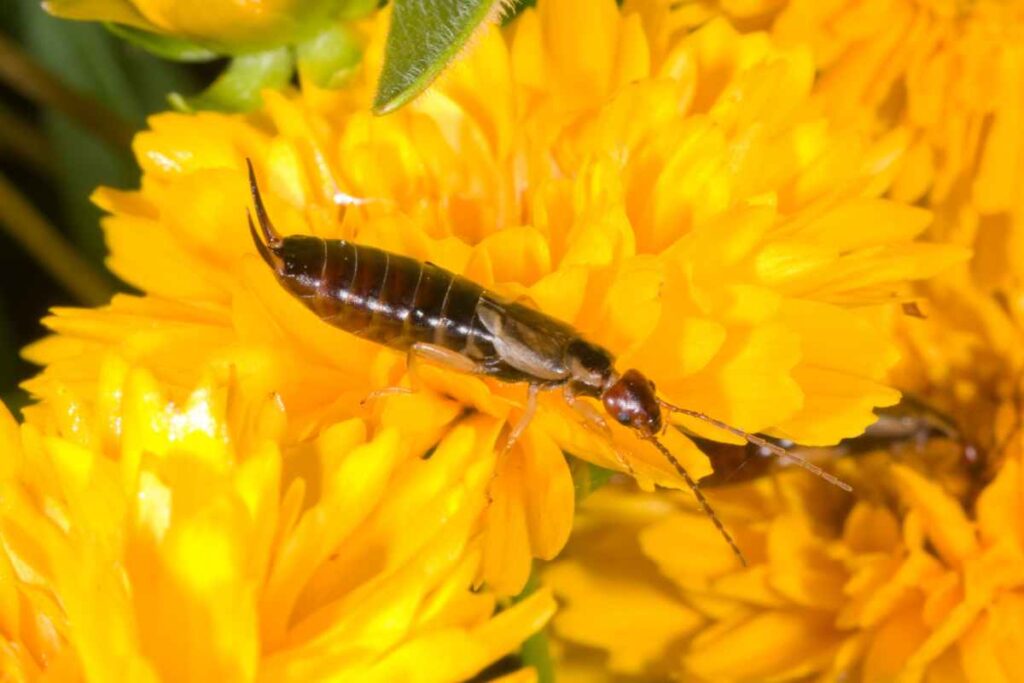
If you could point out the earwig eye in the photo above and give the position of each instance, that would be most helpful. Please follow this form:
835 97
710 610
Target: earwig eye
624 419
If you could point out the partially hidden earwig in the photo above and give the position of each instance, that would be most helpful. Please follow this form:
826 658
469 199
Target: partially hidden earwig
433 314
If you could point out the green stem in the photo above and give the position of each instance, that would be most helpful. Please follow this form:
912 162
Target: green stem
19 71
47 246
25 141
535 650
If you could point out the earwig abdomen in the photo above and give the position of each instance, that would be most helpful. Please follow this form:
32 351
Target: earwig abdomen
386 298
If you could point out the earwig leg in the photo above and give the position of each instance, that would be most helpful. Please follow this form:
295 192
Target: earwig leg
438 355
519 427
595 422
435 355
421 352
382 393
592 419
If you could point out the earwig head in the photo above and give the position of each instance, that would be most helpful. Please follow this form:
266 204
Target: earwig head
297 260
632 402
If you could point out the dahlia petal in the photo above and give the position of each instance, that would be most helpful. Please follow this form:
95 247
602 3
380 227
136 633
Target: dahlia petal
549 505
775 644
507 542
800 567
1000 512
988 649
634 622
944 520
893 644
707 555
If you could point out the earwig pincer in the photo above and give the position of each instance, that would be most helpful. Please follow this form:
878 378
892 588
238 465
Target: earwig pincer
435 315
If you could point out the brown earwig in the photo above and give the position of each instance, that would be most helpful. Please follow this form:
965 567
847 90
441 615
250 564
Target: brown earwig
431 313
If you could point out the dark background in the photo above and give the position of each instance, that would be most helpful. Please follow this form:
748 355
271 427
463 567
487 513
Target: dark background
66 161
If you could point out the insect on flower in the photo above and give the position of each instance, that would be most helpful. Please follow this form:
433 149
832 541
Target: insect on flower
449 320
907 426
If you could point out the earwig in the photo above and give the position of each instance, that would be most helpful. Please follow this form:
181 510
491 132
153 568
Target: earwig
906 427
428 312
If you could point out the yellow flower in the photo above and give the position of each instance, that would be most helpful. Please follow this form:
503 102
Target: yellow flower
223 25
918 576
966 361
902 585
148 540
948 74
690 213
945 76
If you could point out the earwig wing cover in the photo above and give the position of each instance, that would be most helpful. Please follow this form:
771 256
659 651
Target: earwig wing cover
525 347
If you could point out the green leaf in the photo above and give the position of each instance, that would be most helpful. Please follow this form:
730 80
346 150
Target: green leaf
327 58
535 651
587 477
238 87
423 38
167 47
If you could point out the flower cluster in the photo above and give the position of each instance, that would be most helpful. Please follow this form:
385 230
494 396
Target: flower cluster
681 198
899 584
147 539
944 77
734 250
918 574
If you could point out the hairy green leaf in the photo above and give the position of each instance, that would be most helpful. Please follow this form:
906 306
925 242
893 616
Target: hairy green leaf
423 38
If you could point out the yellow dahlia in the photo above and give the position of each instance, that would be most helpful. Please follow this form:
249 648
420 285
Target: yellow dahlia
899 584
690 212
916 576
944 76
949 75
148 539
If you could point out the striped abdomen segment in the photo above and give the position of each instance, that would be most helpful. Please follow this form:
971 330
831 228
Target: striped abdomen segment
387 298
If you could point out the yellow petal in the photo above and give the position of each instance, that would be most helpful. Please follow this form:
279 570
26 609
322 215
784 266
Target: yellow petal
550 501
507 542
944 520
634 622
767 645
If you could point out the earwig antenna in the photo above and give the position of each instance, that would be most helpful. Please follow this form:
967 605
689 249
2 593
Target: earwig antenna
701 500
266 226
761 443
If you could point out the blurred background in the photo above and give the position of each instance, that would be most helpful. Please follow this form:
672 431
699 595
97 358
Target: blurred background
71 95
